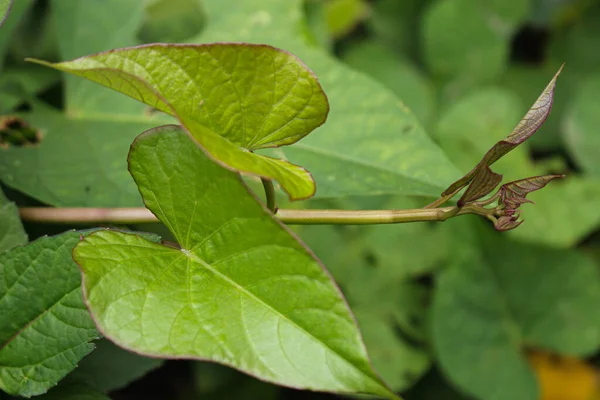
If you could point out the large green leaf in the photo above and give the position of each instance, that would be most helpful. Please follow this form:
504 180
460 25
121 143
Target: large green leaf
45 329
88 27
466 42
487 310
81 158
11 230
398 74
241 291
371 143
391 321
79 162
256 97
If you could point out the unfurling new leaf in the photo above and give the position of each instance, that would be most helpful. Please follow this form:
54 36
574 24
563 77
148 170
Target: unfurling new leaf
513 194
483 183
530 123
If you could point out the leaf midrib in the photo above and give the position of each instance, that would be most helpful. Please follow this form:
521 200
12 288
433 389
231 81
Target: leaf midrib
236 285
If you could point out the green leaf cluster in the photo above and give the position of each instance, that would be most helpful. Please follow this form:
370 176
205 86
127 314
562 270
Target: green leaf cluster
360 104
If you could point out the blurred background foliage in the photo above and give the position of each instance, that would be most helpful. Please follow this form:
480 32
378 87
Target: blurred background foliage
448 311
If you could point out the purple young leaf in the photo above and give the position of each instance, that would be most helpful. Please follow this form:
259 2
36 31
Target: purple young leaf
531 122
506 223
513 194
483 183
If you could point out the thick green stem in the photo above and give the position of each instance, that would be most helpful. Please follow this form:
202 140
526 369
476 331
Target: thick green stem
292 217
269 194
364 217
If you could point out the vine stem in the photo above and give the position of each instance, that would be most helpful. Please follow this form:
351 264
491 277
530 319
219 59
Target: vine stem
443 199
140 215
269 194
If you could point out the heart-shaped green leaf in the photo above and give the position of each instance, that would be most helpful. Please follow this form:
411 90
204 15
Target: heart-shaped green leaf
371 143
232 98
241 291
45 329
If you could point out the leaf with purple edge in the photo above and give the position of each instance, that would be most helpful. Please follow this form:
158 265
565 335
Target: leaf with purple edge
259 302
513 194
233 98
528 125
483 183
507 222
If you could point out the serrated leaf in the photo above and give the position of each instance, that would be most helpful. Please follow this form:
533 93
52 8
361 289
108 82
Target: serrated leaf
11 230
5 6
488 309
371 143
530 123
513 194
110 367
257 97
45 329
81 159
258 302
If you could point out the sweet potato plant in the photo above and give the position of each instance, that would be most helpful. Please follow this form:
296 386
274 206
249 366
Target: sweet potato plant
235 198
